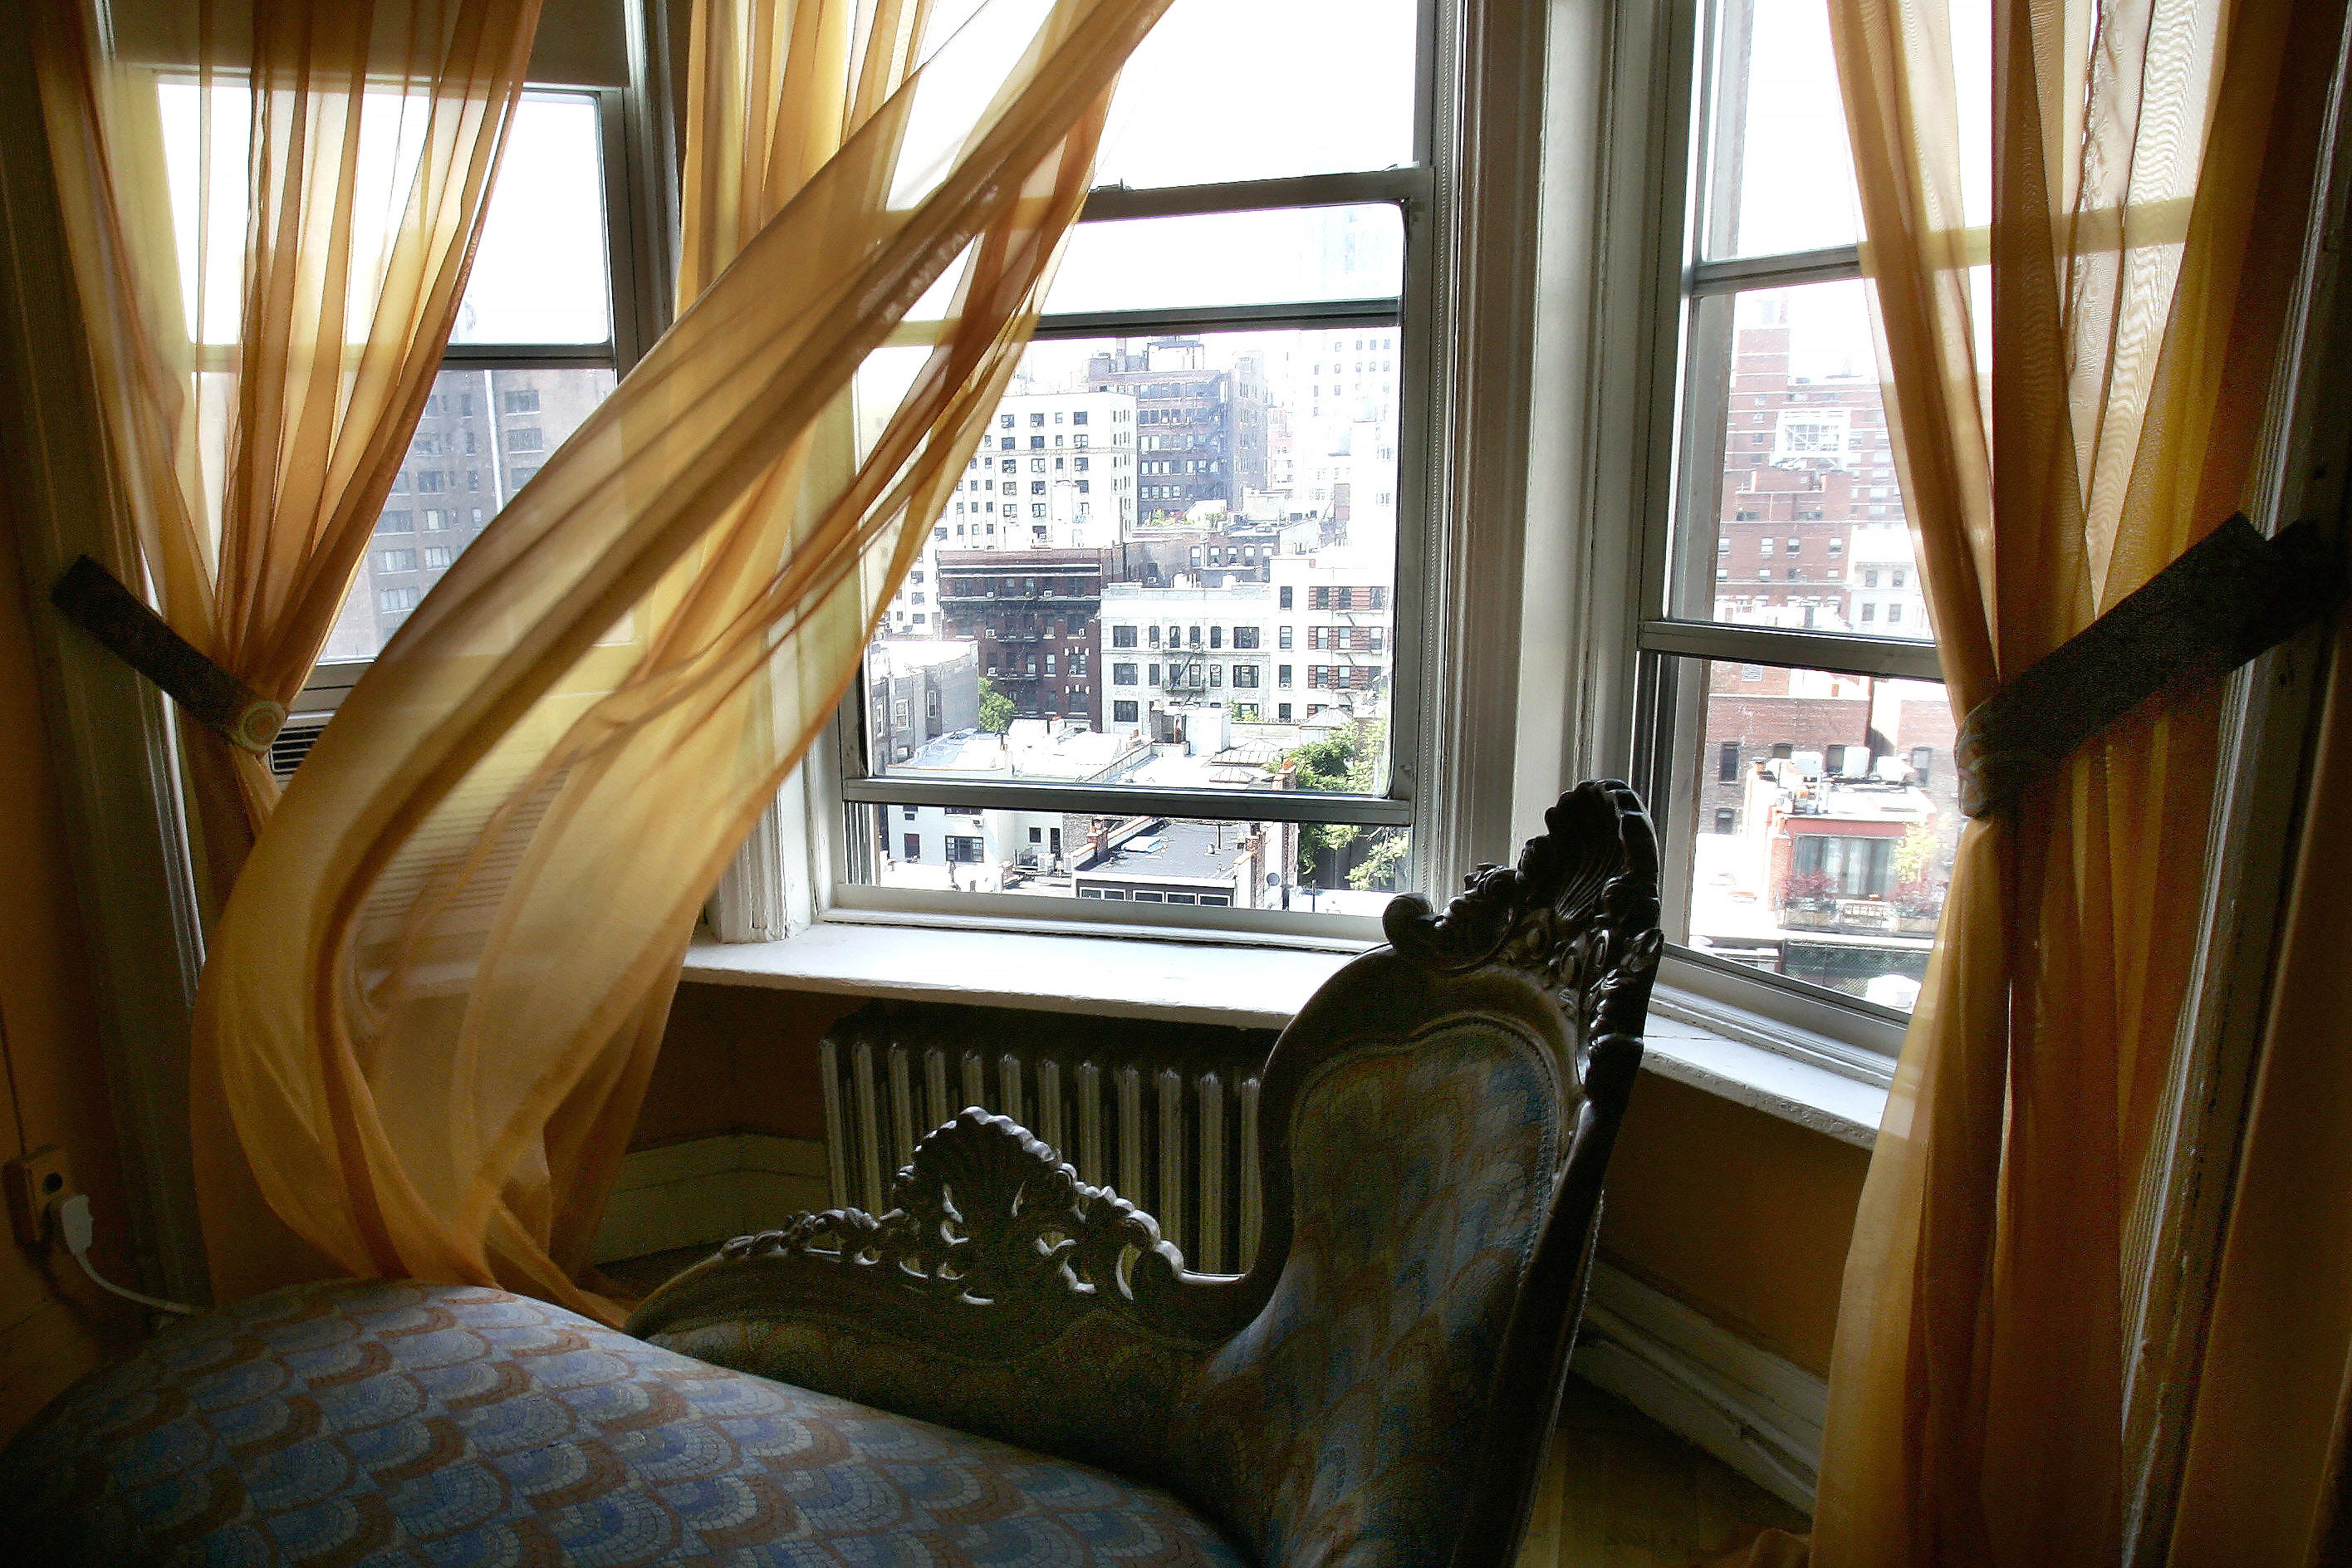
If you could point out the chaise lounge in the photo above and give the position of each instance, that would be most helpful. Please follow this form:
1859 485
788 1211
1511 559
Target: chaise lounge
1011 1366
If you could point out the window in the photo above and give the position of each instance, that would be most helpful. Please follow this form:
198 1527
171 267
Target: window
1189 366
1834 866
541 335
397 560
1790 858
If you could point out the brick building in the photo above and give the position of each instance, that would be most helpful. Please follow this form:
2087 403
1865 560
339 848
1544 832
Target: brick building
1757 712
1806 461
1037 617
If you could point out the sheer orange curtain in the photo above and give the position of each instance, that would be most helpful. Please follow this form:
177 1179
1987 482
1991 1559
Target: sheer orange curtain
439 984
2151 167
272 208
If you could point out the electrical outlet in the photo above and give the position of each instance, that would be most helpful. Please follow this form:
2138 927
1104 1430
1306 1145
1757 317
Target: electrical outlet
36 1183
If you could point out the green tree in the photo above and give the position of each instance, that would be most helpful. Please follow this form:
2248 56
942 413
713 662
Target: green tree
1377 871
1346 762
995 708
1913 854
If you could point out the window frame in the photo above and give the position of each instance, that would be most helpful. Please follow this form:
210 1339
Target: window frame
639 215
1685 419
1433 522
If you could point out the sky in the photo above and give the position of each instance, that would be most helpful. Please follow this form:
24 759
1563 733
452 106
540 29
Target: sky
540 273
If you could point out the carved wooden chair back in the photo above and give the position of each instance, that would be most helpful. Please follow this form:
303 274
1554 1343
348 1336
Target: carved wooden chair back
1377 1388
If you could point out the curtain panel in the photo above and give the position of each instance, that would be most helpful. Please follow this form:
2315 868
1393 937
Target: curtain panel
271 207
2151 164
439 984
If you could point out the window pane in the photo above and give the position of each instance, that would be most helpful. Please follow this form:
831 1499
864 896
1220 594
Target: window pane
1256 89
1195 505
1285 255
541 274
1783 166
1317 867
1784 169
483 434
1822 812
1807 526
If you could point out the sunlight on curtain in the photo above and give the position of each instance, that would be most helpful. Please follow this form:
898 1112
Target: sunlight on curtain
440 983
272 210
2152 163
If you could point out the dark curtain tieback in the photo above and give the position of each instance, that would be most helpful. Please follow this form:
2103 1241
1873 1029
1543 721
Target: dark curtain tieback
2230 596
94 601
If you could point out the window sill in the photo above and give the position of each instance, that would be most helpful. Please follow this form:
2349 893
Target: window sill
1251 986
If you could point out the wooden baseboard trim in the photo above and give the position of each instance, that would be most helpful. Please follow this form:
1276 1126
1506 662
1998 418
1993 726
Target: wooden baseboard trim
1757 1412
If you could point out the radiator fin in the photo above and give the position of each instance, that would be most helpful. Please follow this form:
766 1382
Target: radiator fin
1209 1100
1164 1114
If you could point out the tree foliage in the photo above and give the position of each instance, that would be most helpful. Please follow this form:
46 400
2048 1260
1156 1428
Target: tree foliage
995 708
1347 762
1915 855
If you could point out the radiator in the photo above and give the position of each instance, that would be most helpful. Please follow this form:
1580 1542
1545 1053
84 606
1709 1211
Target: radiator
1164 1114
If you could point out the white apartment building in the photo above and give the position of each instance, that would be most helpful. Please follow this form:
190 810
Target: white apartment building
1056 469
1882 582
1331 434
998 849
1315 642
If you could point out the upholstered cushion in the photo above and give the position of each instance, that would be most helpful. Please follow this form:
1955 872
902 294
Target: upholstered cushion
400 1423
1339 1429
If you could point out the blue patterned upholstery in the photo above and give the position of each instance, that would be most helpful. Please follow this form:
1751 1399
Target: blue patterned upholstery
385 1422
1336 1426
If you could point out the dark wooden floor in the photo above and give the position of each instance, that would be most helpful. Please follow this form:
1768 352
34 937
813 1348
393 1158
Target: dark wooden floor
1619 1491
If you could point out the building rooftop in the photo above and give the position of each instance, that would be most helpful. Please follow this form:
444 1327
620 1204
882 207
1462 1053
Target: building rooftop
1064 753
903 656
1845 800
1175 851
1138 596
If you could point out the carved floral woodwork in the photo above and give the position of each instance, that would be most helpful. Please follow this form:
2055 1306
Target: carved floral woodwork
1000 1292
994 1245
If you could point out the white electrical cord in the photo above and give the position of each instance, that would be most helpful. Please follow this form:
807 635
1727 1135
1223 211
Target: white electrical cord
73 1218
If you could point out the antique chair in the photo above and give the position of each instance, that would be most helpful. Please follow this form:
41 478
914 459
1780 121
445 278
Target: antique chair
1009 1367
